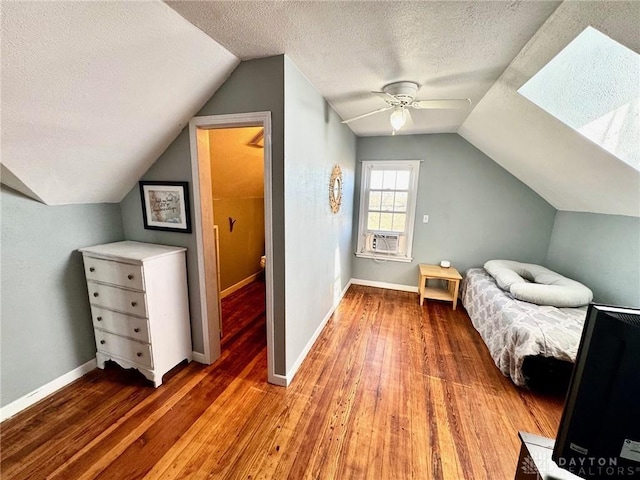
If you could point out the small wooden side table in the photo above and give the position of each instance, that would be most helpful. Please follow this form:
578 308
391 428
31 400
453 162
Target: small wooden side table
436 272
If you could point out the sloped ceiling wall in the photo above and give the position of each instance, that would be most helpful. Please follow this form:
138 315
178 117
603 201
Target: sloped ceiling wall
562 166
94 92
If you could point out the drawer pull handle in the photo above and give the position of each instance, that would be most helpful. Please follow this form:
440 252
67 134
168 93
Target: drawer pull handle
136 330
139 354
102 342
95 294
130 277
133 304
99 319
91 269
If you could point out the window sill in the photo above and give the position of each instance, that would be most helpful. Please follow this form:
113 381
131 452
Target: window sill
384 257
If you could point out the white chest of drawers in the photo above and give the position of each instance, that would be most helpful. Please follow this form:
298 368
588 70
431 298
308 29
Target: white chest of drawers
139 305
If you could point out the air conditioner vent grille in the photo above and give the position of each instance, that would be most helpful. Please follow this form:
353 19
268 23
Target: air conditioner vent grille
385 243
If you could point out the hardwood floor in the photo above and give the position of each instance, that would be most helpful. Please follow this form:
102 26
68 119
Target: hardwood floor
242 309
391 390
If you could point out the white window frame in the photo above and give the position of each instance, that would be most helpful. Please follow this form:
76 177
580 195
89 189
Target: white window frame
364 249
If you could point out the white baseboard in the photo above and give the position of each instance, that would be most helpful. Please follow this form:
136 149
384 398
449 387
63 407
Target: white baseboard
198 357
38 394
279 380
228 291
388 286
294 369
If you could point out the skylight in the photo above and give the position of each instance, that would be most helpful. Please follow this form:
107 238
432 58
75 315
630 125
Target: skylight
593 86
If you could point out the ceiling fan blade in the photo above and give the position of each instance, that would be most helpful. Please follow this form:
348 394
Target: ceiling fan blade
409 122
387 97
367 114
441 104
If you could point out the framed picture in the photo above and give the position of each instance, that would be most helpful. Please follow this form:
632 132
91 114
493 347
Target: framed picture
165 206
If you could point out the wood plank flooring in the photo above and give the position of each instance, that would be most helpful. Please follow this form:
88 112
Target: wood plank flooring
391 390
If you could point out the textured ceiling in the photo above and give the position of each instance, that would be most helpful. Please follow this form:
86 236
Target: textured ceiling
453 50
93 92
347 49
562 166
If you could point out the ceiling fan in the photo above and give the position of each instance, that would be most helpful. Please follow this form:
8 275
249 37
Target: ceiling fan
400 97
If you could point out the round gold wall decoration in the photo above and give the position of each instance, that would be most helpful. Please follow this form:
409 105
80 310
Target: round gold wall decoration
335 189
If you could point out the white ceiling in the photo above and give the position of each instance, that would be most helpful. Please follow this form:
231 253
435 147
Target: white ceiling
562 166
347 49
94 92
481 50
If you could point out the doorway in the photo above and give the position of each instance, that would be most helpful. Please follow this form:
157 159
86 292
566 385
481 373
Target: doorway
208 268
237 180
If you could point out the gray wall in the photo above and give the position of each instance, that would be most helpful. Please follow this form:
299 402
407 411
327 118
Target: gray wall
46 328
255 85
477 210
173 164
315 141
318 262
601 251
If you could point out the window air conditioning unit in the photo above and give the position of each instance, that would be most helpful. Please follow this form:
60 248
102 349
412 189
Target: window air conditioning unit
385 243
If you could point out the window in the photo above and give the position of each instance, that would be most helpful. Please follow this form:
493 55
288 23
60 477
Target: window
388 191
592 86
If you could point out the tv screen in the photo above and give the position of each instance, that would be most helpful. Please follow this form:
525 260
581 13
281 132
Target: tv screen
599 434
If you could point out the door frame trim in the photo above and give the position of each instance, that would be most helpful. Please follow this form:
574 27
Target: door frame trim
206 257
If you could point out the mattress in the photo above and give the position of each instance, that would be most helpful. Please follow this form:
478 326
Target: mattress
514 330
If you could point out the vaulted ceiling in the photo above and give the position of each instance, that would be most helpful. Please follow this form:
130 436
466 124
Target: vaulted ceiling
562 166
93 92
348 49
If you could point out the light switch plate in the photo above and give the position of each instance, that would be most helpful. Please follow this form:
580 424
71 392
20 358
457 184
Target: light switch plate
425 219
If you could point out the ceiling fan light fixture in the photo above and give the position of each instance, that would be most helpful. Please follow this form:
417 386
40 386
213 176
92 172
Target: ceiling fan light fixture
400 97
398 118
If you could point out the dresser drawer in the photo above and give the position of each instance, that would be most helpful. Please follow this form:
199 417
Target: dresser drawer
120 324
139 306
115 273
119 299
131 350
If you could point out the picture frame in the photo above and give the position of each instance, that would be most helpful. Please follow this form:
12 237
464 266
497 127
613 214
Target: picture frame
165 206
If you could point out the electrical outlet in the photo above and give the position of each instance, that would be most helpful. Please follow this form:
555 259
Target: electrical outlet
425 219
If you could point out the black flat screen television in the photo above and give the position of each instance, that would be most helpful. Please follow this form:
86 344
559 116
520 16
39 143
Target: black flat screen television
599 433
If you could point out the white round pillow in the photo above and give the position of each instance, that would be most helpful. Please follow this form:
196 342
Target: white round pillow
536 284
